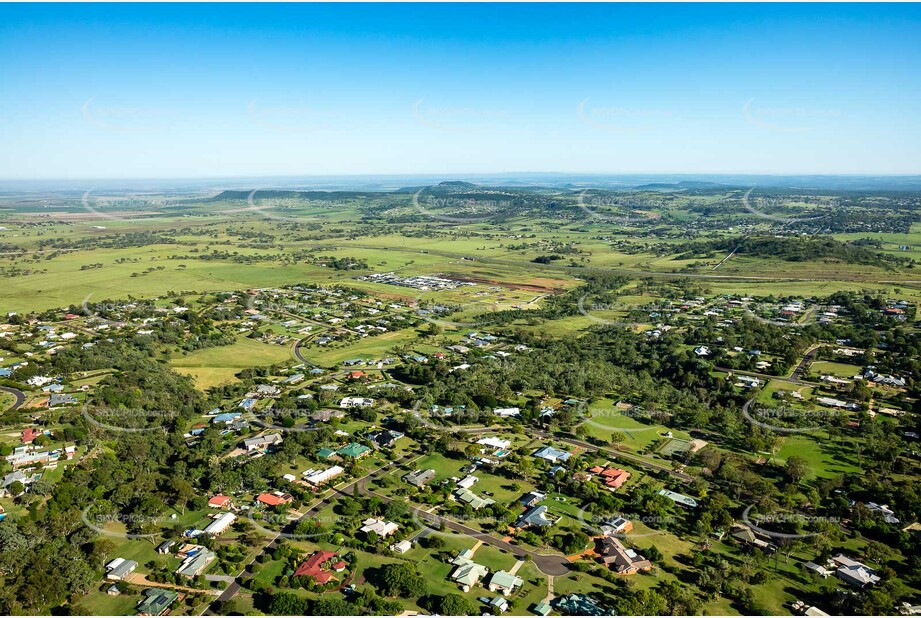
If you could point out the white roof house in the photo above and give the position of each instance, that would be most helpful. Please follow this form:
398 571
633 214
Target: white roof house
220 524
356 402
467 482
494 442
321 476
379 527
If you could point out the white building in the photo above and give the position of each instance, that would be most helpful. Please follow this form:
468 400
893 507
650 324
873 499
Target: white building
220 524
356 402
494 442
318 477
379 527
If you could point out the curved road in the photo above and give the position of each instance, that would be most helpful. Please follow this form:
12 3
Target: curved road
15 392
549 564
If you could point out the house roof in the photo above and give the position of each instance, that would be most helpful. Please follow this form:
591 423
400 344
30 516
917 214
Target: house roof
552 454
156 601
419 477
535 516
505 580
476 502
468 573
313 566
274 499
219 500
353 450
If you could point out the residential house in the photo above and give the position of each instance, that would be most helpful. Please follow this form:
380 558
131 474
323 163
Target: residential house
320 566
622 559
220 524
420 477
467 573
56 400
531 498
535 516
267 390
494 442
747 536
887 513
356 402
402 547
353 450
318 477
156 601
854 573
577 604
616 526
220 501
226 418
12 477
384 438
120 568
679 498
465 496
378 526
548 453
196 562
262 442
613 478
275 499
504 583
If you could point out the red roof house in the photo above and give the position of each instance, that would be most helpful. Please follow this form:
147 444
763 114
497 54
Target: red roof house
611 477
313 567
274 499
29 434
219 501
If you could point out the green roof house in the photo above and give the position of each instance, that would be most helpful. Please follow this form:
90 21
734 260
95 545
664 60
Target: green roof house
468 573
156 601
325 453
353 450
504 582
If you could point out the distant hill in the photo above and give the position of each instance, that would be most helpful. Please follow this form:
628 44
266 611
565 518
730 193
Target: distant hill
686 184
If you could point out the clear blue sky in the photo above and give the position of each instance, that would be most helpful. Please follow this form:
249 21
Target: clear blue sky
114 91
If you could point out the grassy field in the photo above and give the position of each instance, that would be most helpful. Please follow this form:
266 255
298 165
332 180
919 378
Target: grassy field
839 370
99 603
825 458
215 366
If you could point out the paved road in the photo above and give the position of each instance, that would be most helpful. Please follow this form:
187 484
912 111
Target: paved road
18 394
643 463
767 377
649 465
549 564
798 371
237 584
